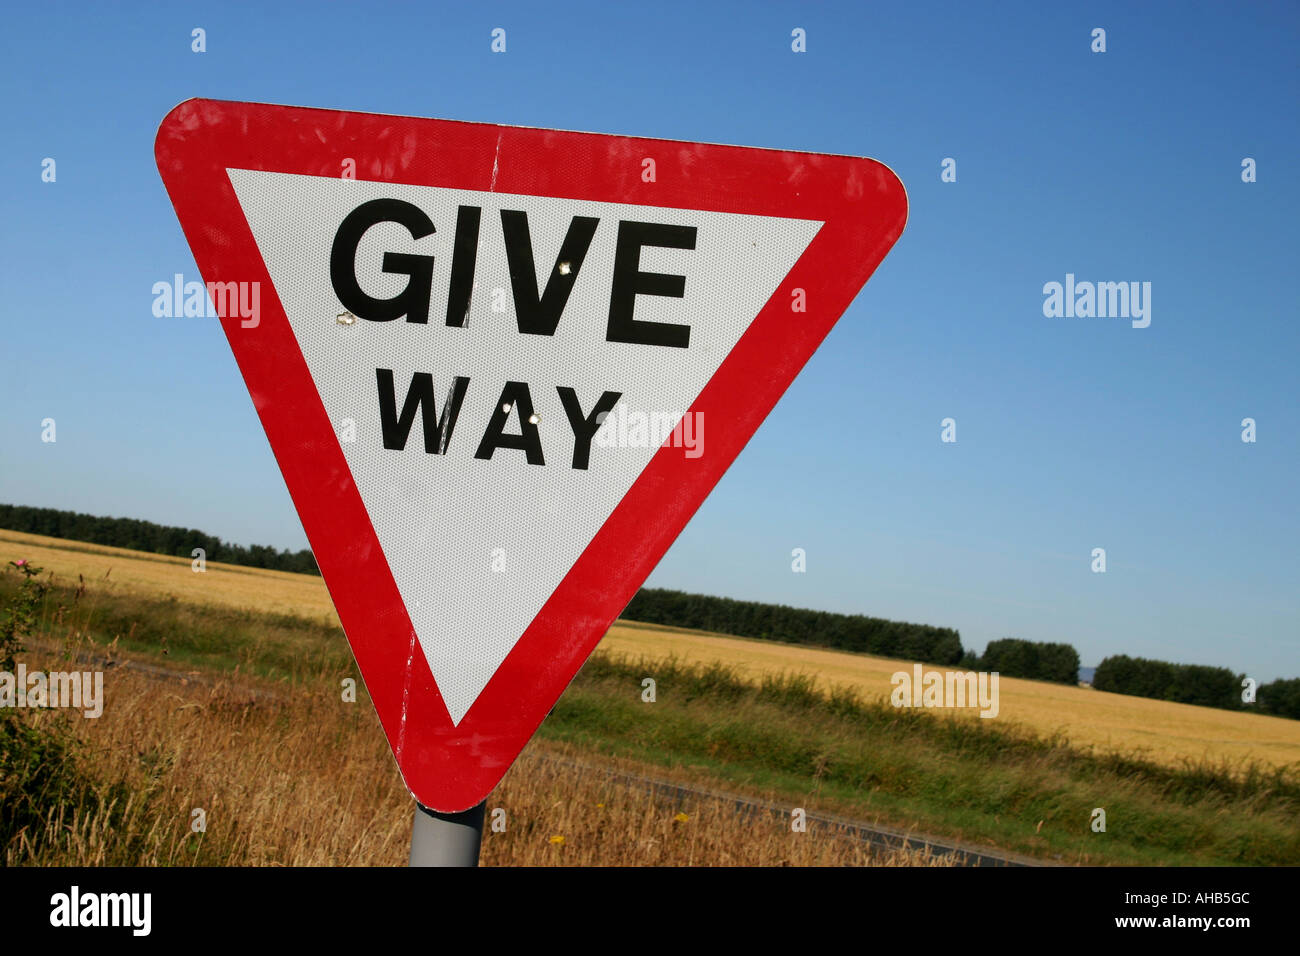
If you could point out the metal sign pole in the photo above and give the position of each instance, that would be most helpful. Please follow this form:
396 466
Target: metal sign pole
447 839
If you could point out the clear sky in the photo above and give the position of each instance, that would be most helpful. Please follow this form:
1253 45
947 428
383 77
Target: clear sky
1072 433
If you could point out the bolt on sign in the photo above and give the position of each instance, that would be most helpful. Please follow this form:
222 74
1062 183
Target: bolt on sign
454 317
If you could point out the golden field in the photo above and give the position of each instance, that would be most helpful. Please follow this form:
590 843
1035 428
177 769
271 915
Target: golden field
135 572
1161 731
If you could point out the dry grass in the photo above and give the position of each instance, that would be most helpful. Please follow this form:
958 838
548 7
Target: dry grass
1159 731
291 778
559 815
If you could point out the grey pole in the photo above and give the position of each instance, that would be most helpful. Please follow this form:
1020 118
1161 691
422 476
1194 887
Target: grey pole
446 839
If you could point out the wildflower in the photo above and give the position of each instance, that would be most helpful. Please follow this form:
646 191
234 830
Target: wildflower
557 841
681 818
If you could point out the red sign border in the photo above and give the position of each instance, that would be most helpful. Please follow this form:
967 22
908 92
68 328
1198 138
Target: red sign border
862 203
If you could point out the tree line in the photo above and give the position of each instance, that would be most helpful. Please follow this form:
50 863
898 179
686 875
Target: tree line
1034 660
777 622
153 538
1195 684
856 633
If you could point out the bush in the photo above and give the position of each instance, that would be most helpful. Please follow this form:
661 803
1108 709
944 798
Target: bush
17 619
1059 663
1033 660
1161 680
1280 698
37 773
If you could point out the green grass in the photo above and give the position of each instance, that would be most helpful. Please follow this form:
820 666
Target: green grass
275 646
985 782
940 774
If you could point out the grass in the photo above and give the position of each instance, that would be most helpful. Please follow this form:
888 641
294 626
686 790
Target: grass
996 784
212 637
262 733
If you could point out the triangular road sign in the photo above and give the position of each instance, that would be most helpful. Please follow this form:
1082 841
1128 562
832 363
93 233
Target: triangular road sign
500 368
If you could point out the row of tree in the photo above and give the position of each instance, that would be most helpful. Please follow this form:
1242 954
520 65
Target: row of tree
1281 698
147 536
1196 684
1012 657
777 622
853 632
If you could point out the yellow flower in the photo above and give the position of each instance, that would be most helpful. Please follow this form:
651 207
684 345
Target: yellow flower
681 818
557 841
600 806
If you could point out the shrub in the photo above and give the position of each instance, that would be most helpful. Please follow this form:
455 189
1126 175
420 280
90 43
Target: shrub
1033 660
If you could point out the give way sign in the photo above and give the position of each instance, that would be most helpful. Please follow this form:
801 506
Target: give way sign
500 368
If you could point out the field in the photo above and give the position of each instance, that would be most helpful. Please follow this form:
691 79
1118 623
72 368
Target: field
1160 731
156 575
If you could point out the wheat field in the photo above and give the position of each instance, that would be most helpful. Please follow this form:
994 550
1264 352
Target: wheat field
1165 732
136 572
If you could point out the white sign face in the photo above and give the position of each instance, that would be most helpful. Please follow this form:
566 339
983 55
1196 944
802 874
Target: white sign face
500 368
467 396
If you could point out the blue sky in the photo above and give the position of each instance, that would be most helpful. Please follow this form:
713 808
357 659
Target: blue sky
1072 433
